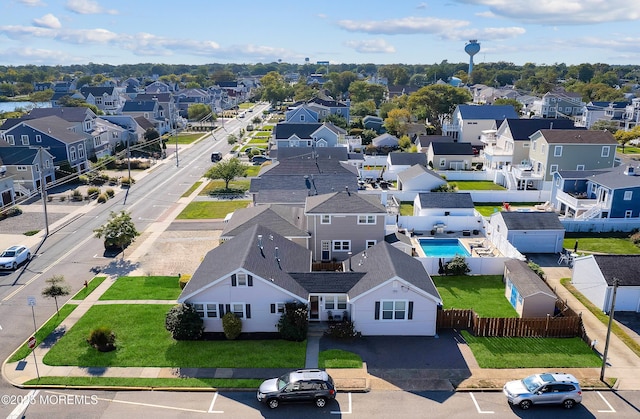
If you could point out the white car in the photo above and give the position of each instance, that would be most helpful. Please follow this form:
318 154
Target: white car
547 388
14 256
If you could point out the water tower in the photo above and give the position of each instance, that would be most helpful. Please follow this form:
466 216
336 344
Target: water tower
472 48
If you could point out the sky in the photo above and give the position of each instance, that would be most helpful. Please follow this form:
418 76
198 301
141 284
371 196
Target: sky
63 32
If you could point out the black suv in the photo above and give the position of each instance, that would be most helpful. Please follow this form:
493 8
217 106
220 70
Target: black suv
298 386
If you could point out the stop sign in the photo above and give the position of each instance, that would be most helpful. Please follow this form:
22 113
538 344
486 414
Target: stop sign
32 342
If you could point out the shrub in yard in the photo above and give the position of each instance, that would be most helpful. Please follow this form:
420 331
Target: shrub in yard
457 266
102 198
184 322
536 268
635 238
182 281
232 325
103 339
110 193
342 330
293 323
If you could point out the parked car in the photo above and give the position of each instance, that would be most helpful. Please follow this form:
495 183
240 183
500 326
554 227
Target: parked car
547 388
258 159
14 257
298 386
216 156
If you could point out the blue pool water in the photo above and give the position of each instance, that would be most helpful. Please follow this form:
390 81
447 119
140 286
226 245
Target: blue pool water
443 248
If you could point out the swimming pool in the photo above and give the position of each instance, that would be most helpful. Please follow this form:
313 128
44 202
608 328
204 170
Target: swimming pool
443 248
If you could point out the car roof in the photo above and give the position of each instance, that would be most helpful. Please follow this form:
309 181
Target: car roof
16 247
310 374
558 377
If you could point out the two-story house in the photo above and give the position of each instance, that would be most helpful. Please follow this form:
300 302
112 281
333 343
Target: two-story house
605 193
559 104
343 223
602 111
107 99
150 110
325 134
560 149
23 164
468 121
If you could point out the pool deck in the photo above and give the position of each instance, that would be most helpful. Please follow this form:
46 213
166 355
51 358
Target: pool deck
477 246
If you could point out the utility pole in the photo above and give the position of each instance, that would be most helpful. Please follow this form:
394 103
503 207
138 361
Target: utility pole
43 191
177 161
616 282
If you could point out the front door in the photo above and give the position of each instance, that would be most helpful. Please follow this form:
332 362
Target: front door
314 313
326 250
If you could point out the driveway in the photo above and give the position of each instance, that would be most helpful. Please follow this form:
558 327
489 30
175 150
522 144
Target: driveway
410 362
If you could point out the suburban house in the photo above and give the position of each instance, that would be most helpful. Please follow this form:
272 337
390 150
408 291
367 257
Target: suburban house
528 231
509 144
151 110
343 223
55 134
301 114
166 102
595 277
528 294
373 122
422 141
400 161
604 193
385 140
325 134
446 211
300 172
22 164
593 112
158 87
7 192
382 290
568 149
450 156
419 178
559 104
468 121
326 107
107 99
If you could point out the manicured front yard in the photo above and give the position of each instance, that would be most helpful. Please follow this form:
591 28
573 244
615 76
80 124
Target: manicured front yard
498 352
482 293
612 243
143 288
337 358
210 209
183 138
217 184
142 341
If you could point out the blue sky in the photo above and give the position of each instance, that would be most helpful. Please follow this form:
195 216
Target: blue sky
52 32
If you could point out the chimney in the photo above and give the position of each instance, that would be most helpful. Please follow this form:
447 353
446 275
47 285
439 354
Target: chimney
277 258
349 256
260 241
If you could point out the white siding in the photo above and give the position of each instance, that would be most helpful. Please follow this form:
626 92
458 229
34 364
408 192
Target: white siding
537 241
588 279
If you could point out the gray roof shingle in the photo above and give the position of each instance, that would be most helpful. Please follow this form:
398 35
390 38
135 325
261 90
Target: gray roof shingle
531 220
623 267
446 200
344 202
525 280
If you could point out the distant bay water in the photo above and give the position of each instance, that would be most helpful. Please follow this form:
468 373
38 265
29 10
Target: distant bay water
12 106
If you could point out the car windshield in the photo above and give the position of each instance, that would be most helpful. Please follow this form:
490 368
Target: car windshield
532 382
8 254
283 381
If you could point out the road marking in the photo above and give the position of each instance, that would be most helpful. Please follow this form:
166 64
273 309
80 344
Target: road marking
340 412
142 404
18 412
478 406
215 396
611 409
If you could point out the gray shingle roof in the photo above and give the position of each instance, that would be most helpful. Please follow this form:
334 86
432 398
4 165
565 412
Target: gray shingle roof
397 237
525 280
57 128
571 136
614 178
285 220
384 262
408 159
415 171
532 220
344 203
286 130
71 114
623 267
446 200
452 149
139 106
521 129
328 282
17 155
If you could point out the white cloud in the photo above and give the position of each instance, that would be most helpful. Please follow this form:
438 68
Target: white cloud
38 56
407 25
422 5
375 46
88 7
32 3
48 21
562 12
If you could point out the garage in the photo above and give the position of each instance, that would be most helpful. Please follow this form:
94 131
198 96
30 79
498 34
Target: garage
529 231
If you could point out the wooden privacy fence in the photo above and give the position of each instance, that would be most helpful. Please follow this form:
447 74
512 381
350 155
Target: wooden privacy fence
569 325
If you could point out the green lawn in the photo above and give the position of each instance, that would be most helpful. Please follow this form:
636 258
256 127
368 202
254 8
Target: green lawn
191 189
199 210
477 185
406 208
147 382
496 352
183 138
337 358
142 341
482 293
44 331
629 150
93 284
253 171
618 244
237 184
143 288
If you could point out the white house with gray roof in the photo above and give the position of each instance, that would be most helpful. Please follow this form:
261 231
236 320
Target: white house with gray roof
529 232
382 290
446 211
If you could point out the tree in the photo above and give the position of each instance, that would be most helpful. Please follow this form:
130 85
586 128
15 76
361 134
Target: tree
231 325
57 288
405 143
198 111
118 232
293 323
437 101
513 102
397 121
337 120
184 322
227 170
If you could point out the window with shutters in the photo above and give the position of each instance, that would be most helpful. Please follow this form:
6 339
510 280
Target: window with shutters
239 310
241 280
277 308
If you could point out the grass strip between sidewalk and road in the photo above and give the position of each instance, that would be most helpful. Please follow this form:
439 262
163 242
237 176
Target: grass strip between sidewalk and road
191 189
147 382
507 352
85 291
143 341
337 358
44 331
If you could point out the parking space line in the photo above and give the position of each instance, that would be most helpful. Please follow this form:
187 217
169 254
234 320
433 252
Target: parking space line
215 396
478 406
611 409
340 412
